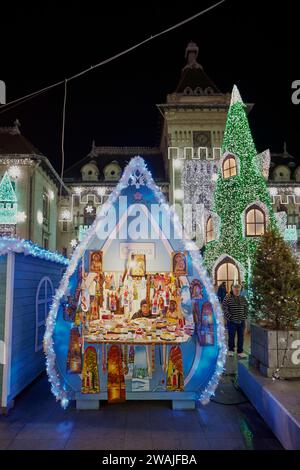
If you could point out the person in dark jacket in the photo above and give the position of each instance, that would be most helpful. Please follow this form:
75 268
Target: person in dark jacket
235 309
221 293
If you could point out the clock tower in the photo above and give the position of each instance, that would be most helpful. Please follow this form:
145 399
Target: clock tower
194 121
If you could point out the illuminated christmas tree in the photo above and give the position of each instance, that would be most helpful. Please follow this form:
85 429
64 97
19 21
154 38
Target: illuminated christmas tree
8 201
276 284
242 209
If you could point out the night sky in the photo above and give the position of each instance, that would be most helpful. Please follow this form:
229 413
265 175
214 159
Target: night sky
116 104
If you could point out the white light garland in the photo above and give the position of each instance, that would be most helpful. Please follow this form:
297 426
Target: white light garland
136 173
18 245
14 172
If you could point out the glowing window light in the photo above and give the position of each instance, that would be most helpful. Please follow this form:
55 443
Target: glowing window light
39 217
51 194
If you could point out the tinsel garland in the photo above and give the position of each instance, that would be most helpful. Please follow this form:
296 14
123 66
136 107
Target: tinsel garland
136 174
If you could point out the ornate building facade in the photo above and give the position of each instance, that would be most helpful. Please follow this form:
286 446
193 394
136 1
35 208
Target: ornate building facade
184 165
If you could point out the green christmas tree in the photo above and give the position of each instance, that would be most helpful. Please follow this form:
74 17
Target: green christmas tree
234 194
7 193
276 284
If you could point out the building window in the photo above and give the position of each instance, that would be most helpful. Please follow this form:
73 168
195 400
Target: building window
209 230
89 215
64 227
43 301
255 222
46 208
227 272
229 167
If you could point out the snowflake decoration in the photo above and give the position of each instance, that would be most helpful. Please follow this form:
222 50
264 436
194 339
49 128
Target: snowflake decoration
73 243
137 179
101 191
89 209
65 214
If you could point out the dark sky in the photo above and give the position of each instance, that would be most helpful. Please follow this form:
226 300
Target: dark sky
239 42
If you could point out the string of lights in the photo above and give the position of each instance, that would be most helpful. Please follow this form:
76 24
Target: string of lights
136 166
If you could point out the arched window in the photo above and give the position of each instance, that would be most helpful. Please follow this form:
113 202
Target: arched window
255 222
227 271
43 300
229 166
209 230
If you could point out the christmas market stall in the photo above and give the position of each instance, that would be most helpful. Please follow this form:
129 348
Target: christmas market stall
135 316
29 276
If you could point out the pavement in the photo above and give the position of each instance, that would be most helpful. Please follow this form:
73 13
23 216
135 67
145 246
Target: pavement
37 422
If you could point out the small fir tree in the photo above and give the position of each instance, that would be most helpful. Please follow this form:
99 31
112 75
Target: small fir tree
275 284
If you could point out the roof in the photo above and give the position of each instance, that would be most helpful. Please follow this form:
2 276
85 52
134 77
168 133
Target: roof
102 156
193 79
13 145
13 142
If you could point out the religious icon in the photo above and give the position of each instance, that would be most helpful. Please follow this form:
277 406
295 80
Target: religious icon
207 325
180 263
74 361
94 308
137 265
175 380
196 289
116 391
95 264
69 309
90 377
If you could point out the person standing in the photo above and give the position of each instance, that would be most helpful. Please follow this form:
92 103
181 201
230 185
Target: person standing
221 293
235 309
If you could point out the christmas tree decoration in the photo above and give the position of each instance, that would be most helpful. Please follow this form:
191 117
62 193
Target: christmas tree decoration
241 199
276 284
8 202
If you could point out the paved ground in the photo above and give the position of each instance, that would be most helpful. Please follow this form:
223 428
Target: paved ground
38 422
